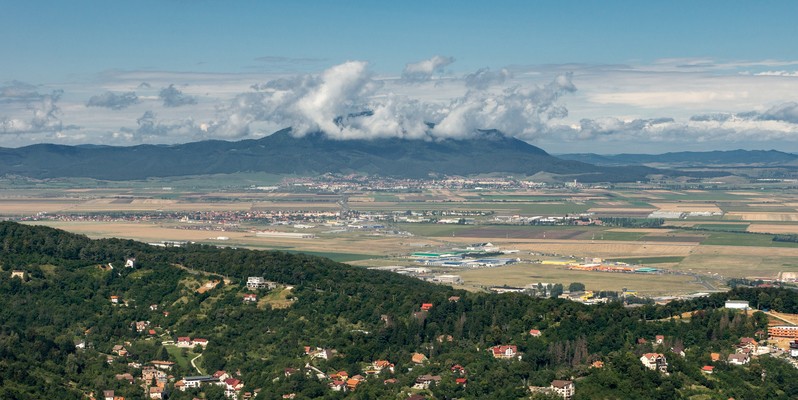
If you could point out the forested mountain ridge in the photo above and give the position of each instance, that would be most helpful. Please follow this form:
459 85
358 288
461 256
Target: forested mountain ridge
364 315
313 154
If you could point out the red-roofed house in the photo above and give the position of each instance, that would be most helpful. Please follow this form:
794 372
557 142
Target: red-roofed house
461 381
419 358
156 392
250 297
221 375
338 386
232 387
199 341
507 351
747 343
183 341
707 369
659 339
426 306
378 366
655 362
535 332
352 383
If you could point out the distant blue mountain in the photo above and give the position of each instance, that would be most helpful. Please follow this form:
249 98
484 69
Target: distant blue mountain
691 158
312 154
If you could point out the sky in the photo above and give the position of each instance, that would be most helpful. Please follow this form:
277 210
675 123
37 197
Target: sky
569 76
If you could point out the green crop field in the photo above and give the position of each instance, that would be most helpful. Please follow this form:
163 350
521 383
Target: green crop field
619 236
743 239
722 227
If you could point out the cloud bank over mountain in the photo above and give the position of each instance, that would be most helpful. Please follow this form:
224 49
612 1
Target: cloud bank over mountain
668 103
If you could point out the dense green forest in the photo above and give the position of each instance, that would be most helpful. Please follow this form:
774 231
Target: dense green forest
63 302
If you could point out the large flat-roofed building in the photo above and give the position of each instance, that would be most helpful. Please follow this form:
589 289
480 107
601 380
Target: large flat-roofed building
783 331
737 304
257 282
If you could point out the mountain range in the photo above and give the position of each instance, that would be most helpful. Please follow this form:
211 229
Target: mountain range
311 154
691 158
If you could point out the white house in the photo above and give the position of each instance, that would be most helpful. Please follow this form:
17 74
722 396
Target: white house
564 389
738 359
655 362
257 282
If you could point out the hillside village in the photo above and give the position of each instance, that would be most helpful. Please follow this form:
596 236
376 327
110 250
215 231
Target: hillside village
285 332
156 379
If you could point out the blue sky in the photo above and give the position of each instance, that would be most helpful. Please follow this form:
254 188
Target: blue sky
644 72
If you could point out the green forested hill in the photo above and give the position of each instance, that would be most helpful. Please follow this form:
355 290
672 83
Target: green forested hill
313 154
363 315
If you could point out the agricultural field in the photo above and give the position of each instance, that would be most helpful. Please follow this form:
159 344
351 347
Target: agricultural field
722 233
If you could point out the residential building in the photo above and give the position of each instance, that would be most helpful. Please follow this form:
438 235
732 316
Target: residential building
418 358
738 359
655 362
250 298
119 350
197 381
535 332
564 389
783 331
424 381
257 282
165 365
221 375
707 369
156 392
232 387
141 326
507 351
